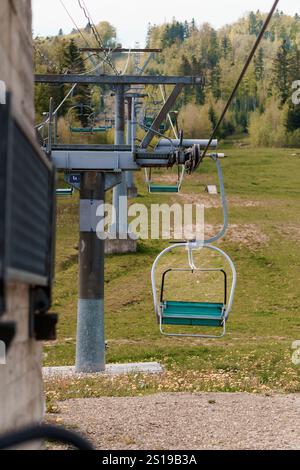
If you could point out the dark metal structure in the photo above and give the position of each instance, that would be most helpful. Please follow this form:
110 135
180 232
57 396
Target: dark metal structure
120 50
27 222
99 168
119 79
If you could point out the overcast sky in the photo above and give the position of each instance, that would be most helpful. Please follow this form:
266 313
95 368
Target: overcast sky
131 17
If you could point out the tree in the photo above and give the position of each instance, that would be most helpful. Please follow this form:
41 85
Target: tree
149 35
215 82
293 118
88 28
74 63
281 71
253 26
185 68
213 53
176 32
60 32
187 32
295 64
259 66
213 117
226 47
108 33
193 25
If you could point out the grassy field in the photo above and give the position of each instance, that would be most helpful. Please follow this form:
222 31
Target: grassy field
264 193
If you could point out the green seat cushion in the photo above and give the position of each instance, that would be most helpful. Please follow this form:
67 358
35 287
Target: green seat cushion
192 313
64 192
156 188
88 130
148 122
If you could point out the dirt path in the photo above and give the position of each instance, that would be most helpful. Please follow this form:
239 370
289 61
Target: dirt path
188 422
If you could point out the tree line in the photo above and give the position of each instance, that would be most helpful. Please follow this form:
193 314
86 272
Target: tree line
263 107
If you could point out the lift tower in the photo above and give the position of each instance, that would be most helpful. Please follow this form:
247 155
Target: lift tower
100 168
127 188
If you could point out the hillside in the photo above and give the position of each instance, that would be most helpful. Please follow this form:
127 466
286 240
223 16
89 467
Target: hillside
263 106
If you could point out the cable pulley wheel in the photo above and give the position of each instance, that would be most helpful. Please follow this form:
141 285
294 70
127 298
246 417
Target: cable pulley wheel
194 159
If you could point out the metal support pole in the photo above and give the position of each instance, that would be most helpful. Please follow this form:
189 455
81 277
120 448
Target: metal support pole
50 126
120 191
90 346
131 188
55 128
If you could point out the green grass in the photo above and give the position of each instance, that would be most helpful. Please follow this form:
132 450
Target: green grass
263 188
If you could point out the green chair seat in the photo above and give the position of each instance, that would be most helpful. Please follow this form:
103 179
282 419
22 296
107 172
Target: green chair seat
148 122
192 314
87 130
64 192
156 188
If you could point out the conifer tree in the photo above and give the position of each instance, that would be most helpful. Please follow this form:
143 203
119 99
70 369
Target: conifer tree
74 63
282 73
259 66
226 47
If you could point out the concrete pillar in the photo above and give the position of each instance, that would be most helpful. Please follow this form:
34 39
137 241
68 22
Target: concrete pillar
90 346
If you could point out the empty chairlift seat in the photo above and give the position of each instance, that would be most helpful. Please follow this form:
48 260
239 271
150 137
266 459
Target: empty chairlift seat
190 313
65 192
86 114
155 188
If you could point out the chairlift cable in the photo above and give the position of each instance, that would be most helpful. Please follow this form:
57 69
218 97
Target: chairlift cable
243 73
96 35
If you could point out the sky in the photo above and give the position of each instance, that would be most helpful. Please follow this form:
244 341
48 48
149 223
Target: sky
131 17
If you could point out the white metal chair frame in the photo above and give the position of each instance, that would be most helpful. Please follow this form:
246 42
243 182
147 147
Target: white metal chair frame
191 247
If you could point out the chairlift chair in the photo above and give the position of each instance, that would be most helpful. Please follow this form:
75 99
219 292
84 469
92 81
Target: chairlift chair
149 116
91 128
201 314
193 314
64 192
155 188
148 123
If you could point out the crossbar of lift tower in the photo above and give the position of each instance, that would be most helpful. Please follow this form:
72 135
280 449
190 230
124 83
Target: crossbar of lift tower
118 50
118 79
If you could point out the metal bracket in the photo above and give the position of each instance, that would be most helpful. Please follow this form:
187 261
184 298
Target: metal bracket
42 325
73 179
162 115
112 180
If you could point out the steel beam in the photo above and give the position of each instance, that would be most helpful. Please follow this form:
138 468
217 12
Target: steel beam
165 144
162 115
91 148
106 161
117 50
93 160
118 79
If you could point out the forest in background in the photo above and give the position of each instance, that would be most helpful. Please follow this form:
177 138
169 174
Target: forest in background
262 109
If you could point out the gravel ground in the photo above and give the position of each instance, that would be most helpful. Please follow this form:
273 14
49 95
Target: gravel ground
188 422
